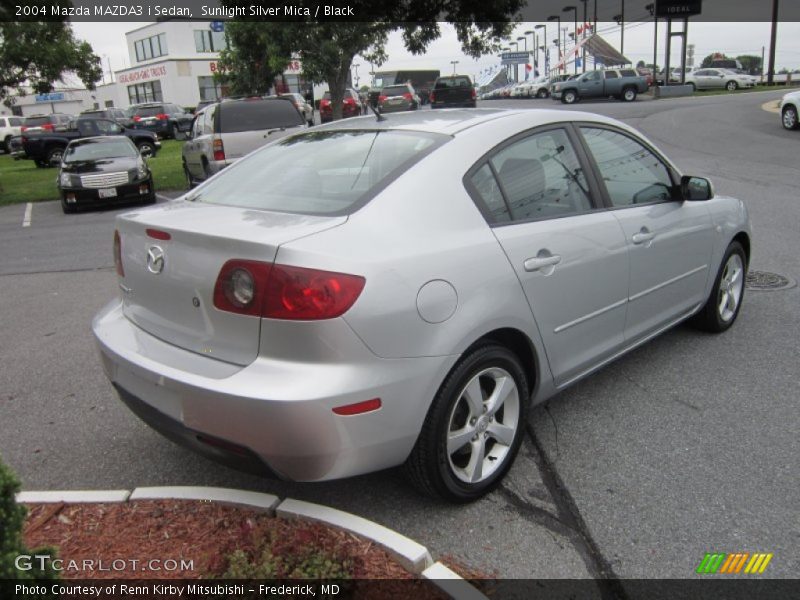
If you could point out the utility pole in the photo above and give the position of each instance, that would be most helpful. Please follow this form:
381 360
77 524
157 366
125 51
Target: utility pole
544 42
583 58
558 34
773 36
574 10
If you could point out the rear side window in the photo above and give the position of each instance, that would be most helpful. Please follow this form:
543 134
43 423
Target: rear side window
451 82
628 73
611 75
319 172
257 115
541 177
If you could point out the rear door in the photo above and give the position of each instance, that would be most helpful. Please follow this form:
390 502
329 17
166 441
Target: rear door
567 251
193 147
247 125
669 241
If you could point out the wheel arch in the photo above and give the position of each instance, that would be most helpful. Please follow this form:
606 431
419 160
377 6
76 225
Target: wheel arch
744 240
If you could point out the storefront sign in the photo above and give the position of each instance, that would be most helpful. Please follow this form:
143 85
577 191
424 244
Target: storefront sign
143 74
514 58
51 97
678 8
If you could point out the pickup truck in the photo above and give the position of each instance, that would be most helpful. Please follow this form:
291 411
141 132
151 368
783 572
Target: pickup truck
455 90
624 84
47 149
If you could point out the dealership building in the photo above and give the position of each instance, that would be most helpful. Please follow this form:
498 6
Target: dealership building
173 61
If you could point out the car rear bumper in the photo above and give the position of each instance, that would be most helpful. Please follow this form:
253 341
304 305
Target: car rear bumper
276 411
464 104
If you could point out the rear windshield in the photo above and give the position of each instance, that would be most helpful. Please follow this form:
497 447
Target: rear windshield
96 149
35 121
148 111
450 82
395 90
319 172
254 115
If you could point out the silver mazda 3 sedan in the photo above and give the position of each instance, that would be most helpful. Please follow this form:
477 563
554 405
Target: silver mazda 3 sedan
370 294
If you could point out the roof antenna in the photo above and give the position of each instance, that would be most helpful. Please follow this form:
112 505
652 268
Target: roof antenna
378 116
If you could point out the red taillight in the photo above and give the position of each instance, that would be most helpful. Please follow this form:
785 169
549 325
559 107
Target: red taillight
137 119
431 97
358 408
324 103
162 117
118 254
48 126
407 96
382 98
349 101
284 292
157 234
474 94
23 128
219 150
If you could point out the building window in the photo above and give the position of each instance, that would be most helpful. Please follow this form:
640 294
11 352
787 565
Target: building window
151 47
209 41
145 92
209 89
109 103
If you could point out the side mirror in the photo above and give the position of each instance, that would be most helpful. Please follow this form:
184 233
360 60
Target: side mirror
696 188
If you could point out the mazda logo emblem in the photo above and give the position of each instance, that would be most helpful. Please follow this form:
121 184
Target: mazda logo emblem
155 259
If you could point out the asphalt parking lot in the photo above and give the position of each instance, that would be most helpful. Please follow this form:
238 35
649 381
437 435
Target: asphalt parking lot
685 446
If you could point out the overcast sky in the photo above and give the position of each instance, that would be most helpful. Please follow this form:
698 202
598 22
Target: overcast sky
108 41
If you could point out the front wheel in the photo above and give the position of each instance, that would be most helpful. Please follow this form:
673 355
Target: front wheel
54 156
731 86
7 144
693 86
569 97
629 94
541 94
789 118
474 427
146 149
725 300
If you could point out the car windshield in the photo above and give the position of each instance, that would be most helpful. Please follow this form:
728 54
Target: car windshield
319 172
97 149
149 111
449 82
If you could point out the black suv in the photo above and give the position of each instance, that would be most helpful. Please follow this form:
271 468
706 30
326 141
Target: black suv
163 118
456 90
115 114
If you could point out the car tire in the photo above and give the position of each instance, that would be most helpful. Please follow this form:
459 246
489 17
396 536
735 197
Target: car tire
7 144
173 131
541 94
569 97
54 155
629 94
143 149
68 209
789 117
731 86
693 86
729 287
489 427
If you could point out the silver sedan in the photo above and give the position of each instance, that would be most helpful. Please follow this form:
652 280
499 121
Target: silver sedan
371 293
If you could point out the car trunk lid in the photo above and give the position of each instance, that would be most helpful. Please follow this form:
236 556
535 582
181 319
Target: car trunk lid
171 257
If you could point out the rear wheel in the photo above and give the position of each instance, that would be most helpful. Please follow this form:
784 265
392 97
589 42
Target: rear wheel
725 300
693 86
789 117
731 86
569 97
474 427
7 144
541 93
146 149
629 94
54 156
189 181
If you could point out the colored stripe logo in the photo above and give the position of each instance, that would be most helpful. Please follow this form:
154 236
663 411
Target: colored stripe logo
720 562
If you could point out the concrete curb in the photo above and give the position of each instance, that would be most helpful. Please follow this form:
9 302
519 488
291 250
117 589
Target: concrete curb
413 556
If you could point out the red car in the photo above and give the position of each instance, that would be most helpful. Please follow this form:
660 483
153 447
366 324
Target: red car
351 107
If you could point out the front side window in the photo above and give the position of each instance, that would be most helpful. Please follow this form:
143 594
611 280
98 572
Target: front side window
541 177
319 172
595 76
632 174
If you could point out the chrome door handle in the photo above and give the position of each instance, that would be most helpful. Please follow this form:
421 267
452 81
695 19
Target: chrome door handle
642 237
537 263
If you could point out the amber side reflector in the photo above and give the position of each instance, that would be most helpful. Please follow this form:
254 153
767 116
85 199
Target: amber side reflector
358 408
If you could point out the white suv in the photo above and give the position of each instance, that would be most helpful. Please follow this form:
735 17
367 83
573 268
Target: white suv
9 127
790 105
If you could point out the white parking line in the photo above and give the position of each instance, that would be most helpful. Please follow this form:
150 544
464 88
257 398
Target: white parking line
26 220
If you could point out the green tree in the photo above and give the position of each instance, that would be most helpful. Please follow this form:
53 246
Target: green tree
35 54
640 64
750 62
326 49
710 58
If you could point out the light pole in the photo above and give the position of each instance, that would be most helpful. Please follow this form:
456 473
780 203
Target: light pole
574 33
531 33
558 33
454 63
524 40
508 67
620 19
583 36
355 66
546 62
516 66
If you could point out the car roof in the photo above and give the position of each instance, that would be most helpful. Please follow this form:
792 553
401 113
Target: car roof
454 120
100 138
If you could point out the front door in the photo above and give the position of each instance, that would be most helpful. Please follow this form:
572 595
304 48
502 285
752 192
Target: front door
669 241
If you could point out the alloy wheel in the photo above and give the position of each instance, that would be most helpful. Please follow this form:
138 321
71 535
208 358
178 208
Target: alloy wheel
482 425
790 118
730 288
